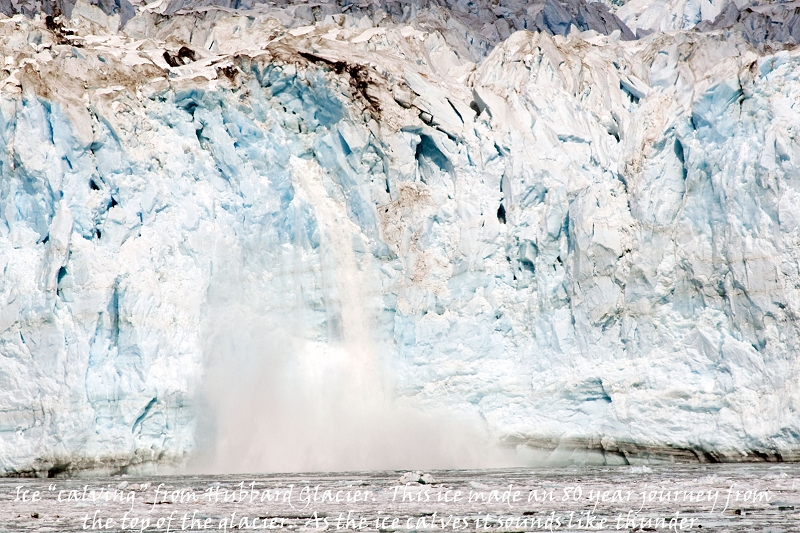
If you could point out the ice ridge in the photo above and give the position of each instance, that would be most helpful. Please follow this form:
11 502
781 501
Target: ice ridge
583 242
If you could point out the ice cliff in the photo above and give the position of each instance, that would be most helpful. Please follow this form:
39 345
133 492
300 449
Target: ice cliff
583 240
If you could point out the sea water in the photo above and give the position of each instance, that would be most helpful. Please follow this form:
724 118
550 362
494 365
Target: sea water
667 497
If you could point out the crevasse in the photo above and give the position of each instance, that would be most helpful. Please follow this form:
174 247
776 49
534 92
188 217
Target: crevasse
575 243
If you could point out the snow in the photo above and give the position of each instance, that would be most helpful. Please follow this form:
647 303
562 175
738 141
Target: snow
577 240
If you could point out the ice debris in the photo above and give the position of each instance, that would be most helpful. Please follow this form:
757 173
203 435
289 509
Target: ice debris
416 477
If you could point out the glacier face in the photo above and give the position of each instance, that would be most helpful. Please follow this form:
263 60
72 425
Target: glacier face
580 240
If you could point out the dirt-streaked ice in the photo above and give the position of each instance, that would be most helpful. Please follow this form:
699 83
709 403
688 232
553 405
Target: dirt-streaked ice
577 240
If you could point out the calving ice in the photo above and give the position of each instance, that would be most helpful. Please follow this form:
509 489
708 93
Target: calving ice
546 238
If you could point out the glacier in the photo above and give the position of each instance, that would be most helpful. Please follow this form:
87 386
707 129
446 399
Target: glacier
580 233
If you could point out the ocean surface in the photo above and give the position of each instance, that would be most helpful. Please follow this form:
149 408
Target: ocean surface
706 497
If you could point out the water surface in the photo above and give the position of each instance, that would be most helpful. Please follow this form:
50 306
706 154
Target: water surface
740 497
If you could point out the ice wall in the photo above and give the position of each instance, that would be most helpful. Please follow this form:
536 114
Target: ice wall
580 242
761 24
482 23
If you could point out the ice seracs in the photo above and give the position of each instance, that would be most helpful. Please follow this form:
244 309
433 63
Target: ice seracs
581 241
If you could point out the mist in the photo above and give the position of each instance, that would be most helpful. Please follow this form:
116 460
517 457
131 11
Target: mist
278 404
294 380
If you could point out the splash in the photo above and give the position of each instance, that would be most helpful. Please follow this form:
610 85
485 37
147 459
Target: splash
287 391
